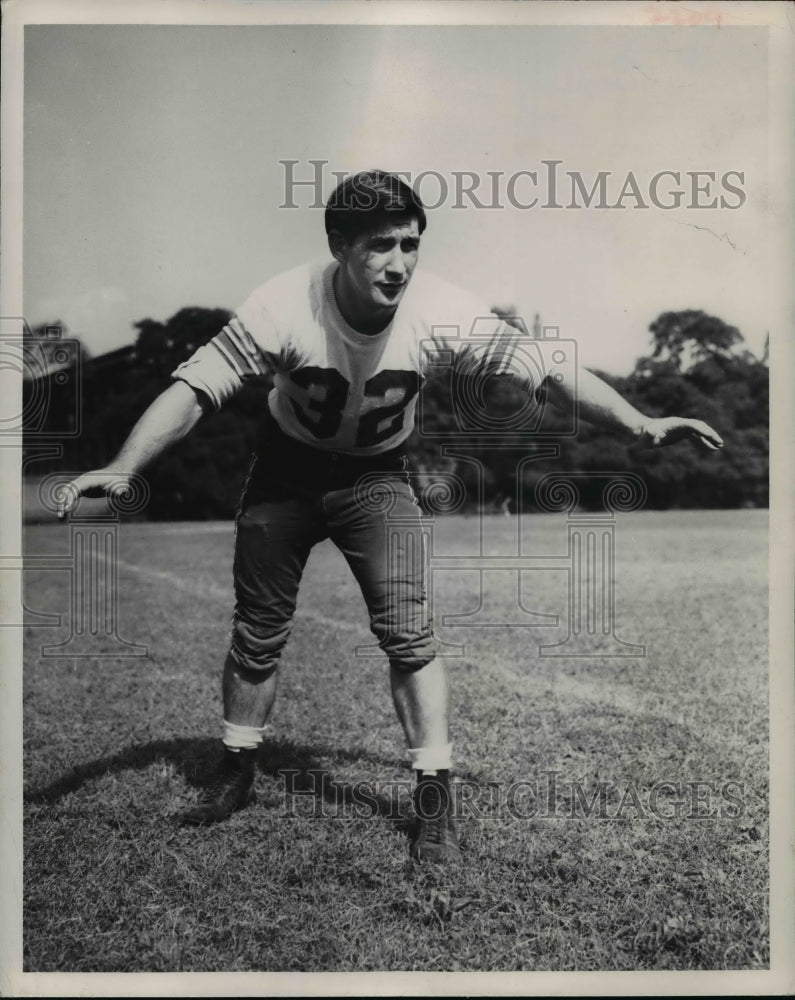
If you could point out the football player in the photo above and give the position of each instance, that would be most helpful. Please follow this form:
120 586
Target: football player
348 343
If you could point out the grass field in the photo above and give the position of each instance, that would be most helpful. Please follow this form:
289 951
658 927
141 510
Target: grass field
668 870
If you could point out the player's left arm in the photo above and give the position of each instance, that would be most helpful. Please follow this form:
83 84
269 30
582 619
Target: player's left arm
600 404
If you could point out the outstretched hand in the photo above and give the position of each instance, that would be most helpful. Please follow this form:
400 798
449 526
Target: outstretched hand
663 431
102 482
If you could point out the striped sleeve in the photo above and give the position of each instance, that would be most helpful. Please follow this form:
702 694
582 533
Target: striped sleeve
467 337
492 348
220 368
488 346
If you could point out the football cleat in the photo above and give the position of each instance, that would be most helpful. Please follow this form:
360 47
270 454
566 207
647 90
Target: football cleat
436 838
232 789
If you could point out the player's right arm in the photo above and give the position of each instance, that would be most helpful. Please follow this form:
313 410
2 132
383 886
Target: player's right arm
210 377
169 418
205 382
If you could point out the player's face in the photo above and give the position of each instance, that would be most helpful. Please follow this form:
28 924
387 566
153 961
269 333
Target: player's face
377 266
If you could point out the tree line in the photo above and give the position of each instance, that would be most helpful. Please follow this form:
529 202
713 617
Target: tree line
698 365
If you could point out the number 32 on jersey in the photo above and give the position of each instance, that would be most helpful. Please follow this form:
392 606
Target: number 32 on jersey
390 390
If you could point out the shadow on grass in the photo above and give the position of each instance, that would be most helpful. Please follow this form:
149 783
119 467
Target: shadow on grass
197 760
303 775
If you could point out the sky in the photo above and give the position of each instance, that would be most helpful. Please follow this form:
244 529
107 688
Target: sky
154 174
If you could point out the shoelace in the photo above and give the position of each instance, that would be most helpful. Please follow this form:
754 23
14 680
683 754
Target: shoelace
429 808
434 831
213 791
223 782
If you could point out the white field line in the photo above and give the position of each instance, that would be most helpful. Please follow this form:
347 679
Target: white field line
225 595
591 689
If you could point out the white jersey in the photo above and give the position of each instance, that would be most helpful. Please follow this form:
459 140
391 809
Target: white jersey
341 390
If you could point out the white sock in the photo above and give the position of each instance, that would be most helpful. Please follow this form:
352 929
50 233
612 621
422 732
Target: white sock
242 737
431 759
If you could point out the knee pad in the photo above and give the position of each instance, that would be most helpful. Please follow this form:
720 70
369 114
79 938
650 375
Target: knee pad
409 653
256 647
